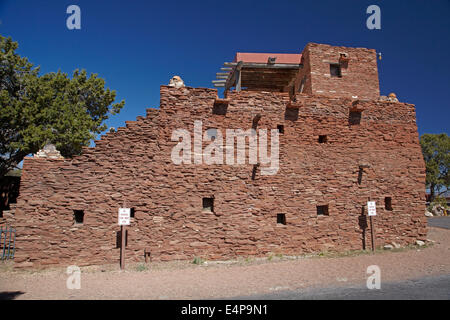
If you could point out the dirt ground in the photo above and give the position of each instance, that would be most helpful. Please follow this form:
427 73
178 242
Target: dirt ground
185 280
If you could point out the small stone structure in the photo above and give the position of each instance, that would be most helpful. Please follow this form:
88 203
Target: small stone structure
340 145
49 151
176 82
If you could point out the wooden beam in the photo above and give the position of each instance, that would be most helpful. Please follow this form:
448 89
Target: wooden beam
238 80
273 66
270 71
246 75
232 76
264 81
265 65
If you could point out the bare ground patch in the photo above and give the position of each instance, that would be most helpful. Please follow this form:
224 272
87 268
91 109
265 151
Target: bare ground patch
219 279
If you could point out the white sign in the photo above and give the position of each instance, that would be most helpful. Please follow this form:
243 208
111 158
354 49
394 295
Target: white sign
371 208
124 216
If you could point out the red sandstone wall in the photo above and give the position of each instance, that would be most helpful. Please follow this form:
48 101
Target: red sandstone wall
133 168
359 76
304 73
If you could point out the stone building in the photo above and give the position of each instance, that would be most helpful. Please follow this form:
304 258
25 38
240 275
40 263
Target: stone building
340 144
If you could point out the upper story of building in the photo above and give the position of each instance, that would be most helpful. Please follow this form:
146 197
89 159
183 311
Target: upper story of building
321 69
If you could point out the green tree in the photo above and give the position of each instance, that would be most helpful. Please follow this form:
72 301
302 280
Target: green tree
436 152
52 108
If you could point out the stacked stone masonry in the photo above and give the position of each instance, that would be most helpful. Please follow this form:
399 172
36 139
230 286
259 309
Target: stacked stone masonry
359 75
378 158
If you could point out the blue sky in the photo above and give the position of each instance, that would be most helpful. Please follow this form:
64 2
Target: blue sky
138 45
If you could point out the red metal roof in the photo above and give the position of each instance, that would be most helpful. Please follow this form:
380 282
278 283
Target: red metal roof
288 58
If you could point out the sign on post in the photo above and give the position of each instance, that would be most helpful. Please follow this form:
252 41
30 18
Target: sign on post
371 208
371 212
124 220
124 216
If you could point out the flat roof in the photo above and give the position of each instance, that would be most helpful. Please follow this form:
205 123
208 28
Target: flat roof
285 58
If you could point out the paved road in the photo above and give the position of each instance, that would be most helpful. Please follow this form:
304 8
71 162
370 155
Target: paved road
436 288
440 222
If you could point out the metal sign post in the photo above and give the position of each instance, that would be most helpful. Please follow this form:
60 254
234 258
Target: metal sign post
372 211
122 247
124 220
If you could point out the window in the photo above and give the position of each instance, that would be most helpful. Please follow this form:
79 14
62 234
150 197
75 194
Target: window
132 212
335 70
322 210
323 139
280 128
281 218
78 216
388 203
354 118
208 204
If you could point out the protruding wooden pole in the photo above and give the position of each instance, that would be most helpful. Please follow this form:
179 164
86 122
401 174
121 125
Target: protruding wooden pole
122 247
372 233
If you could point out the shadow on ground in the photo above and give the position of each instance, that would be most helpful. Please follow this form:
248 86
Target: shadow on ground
10 295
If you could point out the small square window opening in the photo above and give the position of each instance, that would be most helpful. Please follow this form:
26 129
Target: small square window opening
323 139
322 210
335 70
281 218
280 128
208 204
78 216
388 203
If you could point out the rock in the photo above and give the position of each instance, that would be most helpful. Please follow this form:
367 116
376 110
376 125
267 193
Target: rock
176 82
428 213
392 97
25 264
420 243
49 151
396 245
388 247
438 210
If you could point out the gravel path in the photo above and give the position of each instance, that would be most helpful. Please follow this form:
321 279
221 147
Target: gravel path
188 281
425 288
440 222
